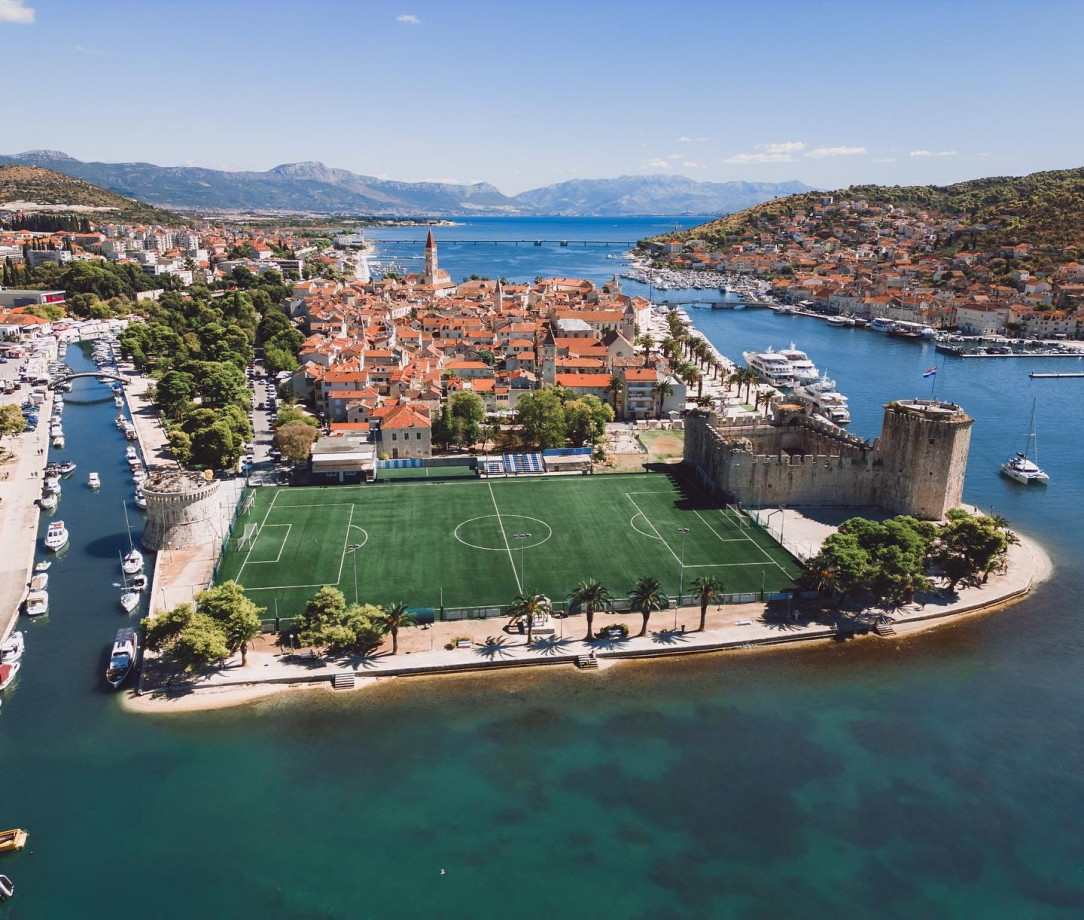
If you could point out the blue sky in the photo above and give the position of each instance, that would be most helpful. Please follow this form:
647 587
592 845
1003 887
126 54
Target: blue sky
523 94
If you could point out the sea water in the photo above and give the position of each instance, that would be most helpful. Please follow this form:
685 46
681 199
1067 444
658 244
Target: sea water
935 777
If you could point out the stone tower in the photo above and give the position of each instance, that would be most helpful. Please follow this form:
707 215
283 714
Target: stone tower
183 510
923 450
498 300
430 274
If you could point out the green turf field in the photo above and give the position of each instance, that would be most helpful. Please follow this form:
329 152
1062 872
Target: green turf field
479 543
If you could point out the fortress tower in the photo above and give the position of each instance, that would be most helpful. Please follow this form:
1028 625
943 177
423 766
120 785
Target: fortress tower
429 276
923 450
183 509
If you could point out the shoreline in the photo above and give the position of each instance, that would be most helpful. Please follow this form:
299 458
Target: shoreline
1031 567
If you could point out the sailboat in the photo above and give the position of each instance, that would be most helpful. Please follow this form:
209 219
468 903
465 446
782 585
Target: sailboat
1023 467
133 561
129 598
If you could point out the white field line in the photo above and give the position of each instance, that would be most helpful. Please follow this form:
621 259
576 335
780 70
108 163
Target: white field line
282 545
346 543
274 498
651 523
511 558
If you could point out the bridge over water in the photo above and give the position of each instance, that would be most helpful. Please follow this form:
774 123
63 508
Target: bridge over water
101 375
444 242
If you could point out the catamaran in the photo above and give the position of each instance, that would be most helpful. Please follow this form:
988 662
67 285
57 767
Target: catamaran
1023 467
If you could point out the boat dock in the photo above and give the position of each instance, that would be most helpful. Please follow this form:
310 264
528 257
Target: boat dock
1034 374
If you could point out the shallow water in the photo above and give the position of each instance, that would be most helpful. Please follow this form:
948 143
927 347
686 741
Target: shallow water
934 777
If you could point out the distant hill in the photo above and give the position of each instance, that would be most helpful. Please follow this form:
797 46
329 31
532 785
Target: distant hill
651 195
312 187
1043 208
37 185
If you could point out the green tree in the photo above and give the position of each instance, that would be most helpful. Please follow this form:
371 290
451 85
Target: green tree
645 597
467 414
528 607
295 441
174 392
397 617
541 416
214 447
662 390
11 421
238 615
591 596
969 548
707 589
615 388
324 610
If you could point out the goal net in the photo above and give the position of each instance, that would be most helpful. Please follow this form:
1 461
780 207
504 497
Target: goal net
252 531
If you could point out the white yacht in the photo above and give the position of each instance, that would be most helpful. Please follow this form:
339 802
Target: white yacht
12 650
881 324
804 370
771 367
823 397
49 501
37 603
94 481
1023 468
122 658
56 537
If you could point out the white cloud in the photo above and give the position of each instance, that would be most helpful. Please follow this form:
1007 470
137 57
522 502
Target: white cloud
674 156
690 164
783 147
920 153
16 11
885 160
409 18
692 140
93 52
658 163
748 159
946 153
835 152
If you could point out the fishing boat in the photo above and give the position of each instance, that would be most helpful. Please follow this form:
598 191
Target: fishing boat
1023 467
122 659
94 481
56 537
7 676
12 650
37 603
14 839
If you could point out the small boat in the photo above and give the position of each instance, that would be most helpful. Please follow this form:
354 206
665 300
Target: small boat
130 433
13 840
58 442
12 650
94 481
1021 467
56 537
49 501
7 676
39 582
51 485
122 659
129 600
7 887
121 421
43 566
139 476
139 582
118 401
140 500
134 462
131 453
67 467
37 603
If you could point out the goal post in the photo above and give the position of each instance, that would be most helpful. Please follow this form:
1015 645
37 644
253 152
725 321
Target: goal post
252 531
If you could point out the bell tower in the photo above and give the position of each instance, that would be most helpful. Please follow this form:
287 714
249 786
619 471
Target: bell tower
430 275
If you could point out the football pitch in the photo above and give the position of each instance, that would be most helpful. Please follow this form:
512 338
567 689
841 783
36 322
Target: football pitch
479 543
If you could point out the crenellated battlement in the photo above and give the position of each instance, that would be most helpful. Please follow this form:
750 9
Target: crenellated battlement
181 508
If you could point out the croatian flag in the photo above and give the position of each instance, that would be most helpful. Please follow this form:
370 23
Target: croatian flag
931 371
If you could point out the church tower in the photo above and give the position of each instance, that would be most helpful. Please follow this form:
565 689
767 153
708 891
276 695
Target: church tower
499 299
430 275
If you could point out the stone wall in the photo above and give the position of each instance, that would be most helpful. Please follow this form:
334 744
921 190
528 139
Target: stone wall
182 511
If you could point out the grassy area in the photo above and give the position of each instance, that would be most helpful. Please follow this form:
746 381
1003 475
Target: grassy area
663 445
457 543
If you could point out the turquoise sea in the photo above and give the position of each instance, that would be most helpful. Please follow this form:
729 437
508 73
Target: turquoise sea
938 777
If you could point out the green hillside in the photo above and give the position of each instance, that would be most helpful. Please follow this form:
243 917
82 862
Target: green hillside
46 187
1043 209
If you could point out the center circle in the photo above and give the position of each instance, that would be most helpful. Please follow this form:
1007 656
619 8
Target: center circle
497 534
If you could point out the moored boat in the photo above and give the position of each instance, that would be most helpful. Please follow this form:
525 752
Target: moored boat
56 537
122 659
771 367
12 650
132 562
1024 468
140 500
49 501
7 887
14 839
37 603
67 467
7 677
58 442
40 581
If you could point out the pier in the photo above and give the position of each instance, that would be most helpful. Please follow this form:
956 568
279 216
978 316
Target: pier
1035 374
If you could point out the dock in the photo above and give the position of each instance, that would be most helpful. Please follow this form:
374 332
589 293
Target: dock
1037 374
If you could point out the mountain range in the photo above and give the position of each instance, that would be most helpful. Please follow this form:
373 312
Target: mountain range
312 187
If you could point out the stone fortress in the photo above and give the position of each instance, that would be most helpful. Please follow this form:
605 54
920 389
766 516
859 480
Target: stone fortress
792 458
183 510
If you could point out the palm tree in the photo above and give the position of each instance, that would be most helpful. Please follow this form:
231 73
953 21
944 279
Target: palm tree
735 379
397 617
527 606
647 595
591 596
647 343
662 389
615 386
696 377
749 378
707 589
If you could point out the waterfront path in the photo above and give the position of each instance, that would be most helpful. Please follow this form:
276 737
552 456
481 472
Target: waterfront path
749 626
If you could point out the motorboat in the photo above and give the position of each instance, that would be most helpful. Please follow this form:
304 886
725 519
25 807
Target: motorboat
139 476
881 324
43 566
130 433
1024 468
37 603
7 677
40 581
94 481
14 839
122 659
56 537
139 582
51 485
67 467
12 650
49 501
771 367
131 453
120 422
7 887
58 442
804 370
140 500
134 463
